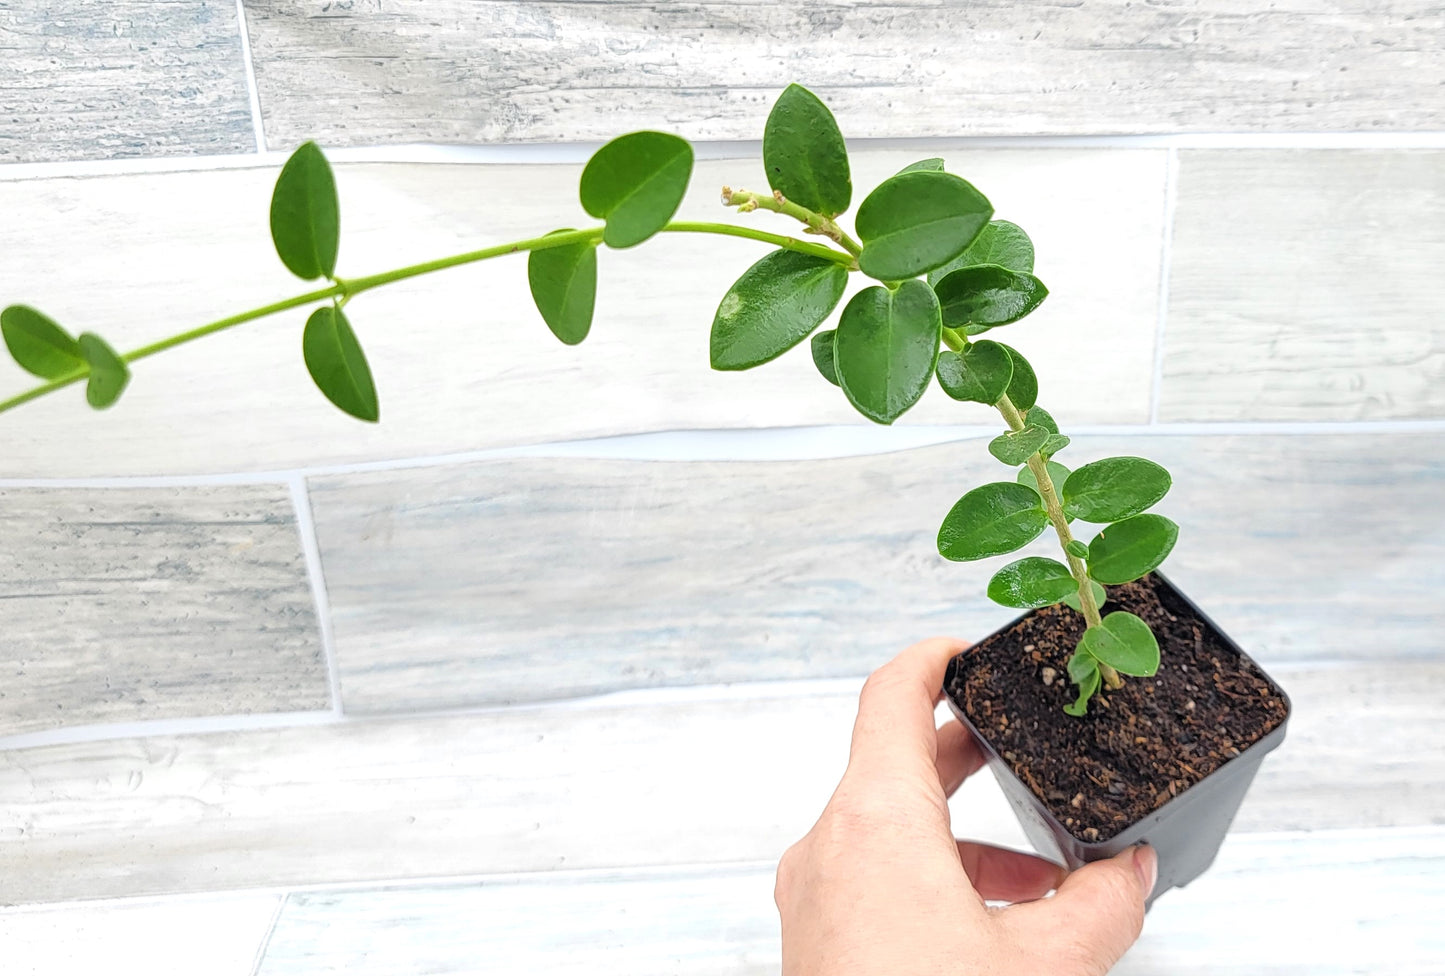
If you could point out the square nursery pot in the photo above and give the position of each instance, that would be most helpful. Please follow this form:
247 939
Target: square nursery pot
1184 714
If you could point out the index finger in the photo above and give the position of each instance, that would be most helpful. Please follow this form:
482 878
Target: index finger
895 709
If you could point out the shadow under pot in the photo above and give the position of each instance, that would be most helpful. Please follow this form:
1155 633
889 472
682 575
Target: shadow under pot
1163 761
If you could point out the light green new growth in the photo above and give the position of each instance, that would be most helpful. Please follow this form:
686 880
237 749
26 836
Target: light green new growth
947 273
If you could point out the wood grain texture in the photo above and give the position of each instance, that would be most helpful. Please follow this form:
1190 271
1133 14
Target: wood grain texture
1331 903
361 71
528 579
150 603
461 359
125 78
1303 286
218 935
730 778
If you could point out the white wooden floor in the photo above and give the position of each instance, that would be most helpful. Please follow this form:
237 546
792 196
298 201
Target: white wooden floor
545 683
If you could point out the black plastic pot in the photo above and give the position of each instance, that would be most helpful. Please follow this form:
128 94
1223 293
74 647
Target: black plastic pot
1186 832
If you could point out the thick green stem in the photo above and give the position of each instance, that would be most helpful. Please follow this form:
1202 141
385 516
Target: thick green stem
345 288
746 200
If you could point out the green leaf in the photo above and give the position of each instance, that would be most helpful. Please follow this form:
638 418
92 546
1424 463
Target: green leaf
992 520
108 372
337 364
1101 596
823 349
934 165
1031 582
1127 550
305 215
1055 444
1123 642
38 344
985 297
1081 665
916 221
980 374
564 287
1017 446
773 307
886 347
1023 387
1038 415
804 153
1084 672
1076 547
1057 474
1000 243
1114 488
636 183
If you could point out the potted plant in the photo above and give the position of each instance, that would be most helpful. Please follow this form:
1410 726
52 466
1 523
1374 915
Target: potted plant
1092 762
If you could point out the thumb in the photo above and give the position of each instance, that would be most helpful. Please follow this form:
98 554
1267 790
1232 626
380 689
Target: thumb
1093 918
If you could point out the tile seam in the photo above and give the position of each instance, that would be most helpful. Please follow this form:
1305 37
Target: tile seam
316 578
654 446
1166 258
557 153
635 872
249 67
265 943
629 698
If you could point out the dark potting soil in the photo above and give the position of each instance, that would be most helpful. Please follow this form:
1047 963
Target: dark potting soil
1138 746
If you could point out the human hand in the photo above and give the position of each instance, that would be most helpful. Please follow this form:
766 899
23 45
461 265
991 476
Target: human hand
879 886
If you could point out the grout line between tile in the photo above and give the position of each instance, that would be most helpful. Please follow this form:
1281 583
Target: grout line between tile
779 689
575 153
144 728
1405 835
270 931
311 549
250 68
1166 258
758 444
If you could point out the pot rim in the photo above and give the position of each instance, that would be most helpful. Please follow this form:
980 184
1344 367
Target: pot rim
1257 749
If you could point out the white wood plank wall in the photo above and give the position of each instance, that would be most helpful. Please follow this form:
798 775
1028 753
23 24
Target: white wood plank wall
544 671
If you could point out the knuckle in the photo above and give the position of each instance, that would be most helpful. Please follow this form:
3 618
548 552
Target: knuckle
880 680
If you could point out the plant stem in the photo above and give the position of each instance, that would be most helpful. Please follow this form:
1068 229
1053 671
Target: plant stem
746 200
347 287
1040 469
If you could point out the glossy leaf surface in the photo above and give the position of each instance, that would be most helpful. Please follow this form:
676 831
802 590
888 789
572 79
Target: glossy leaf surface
1023 387
980 374
804 153
305 214
773 307
1114 488
981 298
991 520
1125 643
1000 243
1016 446
337 365
1128 549
823 358
636 183
886 347
564 287
917 221
1031 582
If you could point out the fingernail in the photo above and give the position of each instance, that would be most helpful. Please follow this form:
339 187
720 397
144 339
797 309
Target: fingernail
1146 864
